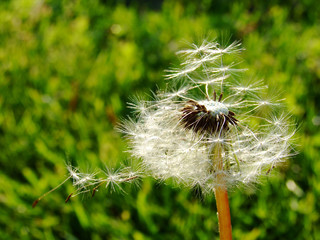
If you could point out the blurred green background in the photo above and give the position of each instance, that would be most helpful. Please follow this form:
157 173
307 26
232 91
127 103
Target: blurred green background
67 70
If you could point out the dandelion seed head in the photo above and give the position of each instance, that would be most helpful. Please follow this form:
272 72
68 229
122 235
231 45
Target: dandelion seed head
177 132
207 103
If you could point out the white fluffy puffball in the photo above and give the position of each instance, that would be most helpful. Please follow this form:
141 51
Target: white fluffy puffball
209 103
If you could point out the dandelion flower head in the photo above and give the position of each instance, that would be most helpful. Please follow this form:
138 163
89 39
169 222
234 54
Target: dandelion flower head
209 103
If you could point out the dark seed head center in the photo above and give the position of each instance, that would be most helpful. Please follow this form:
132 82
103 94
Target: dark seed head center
207 116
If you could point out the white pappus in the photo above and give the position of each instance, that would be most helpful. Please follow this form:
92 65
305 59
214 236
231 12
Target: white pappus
209 102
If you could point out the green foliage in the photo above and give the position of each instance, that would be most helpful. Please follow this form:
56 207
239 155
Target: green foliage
69 67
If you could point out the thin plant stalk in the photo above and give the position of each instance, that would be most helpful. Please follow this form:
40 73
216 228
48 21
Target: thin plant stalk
225 228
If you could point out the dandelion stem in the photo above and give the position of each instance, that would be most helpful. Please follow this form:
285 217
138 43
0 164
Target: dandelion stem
222 198
37 200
